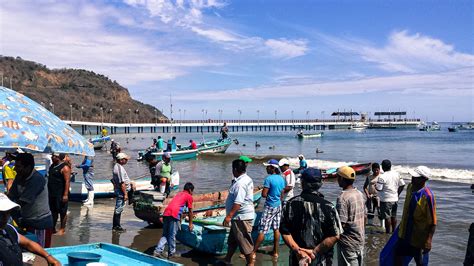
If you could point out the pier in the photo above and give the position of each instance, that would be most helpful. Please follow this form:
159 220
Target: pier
193 126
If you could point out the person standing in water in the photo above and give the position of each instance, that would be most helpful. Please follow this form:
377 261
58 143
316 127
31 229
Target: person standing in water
164 170
88 174
59 181
224 131
122 185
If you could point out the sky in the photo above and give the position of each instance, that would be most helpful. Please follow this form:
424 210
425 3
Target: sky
255 58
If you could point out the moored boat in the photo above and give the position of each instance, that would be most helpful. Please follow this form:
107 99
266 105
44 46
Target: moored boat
433 127
103 188
99 142
210 236
110 255
149 205
178 155
454 128
302 135
360 169
216 146
467 126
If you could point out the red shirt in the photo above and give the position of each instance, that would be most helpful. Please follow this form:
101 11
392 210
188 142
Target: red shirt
177 204
194 146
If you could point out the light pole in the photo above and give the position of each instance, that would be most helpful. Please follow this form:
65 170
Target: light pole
307 116
82 111
136 115
179 110
130 115
184 115
110 118
202 116
220 115
102 114
70 106
52 107
156 120
240 115
292 112
258 117
275 116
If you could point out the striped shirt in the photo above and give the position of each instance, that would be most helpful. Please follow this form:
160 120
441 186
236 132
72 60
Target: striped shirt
351 208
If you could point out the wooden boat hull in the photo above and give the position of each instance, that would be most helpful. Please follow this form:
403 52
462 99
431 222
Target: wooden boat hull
175 155
149 205
105 189
111 255
214 146
360 169
306 136
209 236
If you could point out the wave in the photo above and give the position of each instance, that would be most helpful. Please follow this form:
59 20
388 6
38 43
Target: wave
442 174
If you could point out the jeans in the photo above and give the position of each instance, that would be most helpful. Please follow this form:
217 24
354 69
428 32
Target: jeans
352 258
170 228
119 202
88 180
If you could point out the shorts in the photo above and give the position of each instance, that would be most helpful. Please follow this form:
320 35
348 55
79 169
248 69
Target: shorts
240 236
404 249
56 205
352 258
271 218
388 209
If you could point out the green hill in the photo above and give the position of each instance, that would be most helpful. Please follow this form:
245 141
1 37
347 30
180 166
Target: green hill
86 91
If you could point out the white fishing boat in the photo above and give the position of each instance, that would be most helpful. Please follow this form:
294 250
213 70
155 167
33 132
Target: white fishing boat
216 146
99 142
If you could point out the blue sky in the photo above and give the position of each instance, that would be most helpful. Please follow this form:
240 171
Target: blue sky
300 56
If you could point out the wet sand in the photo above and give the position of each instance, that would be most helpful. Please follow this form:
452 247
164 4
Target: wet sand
89 225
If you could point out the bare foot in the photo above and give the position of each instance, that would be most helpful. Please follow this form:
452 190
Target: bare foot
61 232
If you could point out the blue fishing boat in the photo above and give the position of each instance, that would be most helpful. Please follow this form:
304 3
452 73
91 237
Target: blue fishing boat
110 255
209 236
216 146
178 155
99 141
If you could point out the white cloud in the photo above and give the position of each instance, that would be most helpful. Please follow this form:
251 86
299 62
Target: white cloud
458 82
287 48
405 53
75 35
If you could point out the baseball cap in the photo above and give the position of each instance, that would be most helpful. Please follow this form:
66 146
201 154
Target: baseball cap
301 156
283 161
122 155
245 159
6 204
312 175
346 172
273 163
420 171
166 155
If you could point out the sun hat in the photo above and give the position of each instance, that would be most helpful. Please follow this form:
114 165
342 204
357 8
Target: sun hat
283 161
246 159
122 155
301 156
6 204
311 175
166 155
273 163
420 171
346 172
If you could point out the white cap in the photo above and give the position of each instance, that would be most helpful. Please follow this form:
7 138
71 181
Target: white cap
301 156
6 204
283 161
122 155
420 171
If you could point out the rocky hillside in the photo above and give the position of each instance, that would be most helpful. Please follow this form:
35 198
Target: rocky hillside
90 96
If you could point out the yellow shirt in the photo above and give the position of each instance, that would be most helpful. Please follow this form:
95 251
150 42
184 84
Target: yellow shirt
9 172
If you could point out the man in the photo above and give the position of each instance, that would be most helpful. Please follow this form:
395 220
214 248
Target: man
8 170
172 219
240 213
303 164
122 185
418 220
351 208
290 179
30 191
224 131
310 237
390 185
11 242
160 144
88 174
193 145
104 132
272 192
164 171
114 149
370 191
59 181
153 145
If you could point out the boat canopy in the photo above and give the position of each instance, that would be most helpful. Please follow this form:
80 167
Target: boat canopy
344 113
390 113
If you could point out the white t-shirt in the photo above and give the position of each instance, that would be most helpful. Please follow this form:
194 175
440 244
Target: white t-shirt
388 184
290 180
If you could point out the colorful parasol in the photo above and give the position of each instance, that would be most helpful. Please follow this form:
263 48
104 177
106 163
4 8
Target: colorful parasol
27 125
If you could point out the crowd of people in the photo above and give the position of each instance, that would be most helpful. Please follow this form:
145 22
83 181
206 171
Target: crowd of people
308 223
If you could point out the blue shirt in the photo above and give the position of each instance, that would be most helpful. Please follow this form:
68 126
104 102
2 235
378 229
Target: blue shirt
241 192
303 164
159 144
275 184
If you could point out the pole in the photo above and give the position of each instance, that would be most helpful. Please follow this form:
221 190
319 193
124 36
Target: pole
82 110
71 111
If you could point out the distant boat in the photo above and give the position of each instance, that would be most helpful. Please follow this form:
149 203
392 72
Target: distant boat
107 254
433 127
302 135
149 205
467 126
99 142
210 236
358 126
454 128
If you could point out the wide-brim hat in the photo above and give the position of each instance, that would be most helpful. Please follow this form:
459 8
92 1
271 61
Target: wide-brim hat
122 155
6 204
420 171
